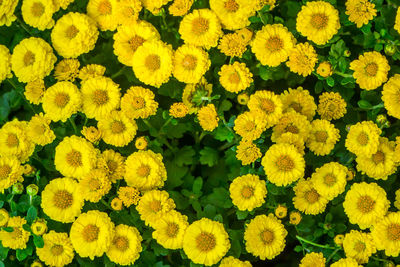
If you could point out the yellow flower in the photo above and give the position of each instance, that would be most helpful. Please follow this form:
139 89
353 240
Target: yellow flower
292 139
39 226
359 246
265 236
152 63
92 234
235 77
338 239
32 59
331 106
318 21
67 70
145 170
206 242
116 204
16 239
138 102
128 11
5 67
365 204
313 259
154 6
370 70
283 164
397 200
390 94
94 185
294 217
61 101
247 152
272 44
153 205
180 7
248 192
363 138
243 99
91 71
74 34
269 103
104 12
10 172
178 110
75 157
38 13
360 12
208 117
29 170
170 229
34 91
91 133
307 199
300 101
201 89
141 143
302 59
330 179
325 69
397 22
346 262
126 245
129 195
294 123
250 124
281 211
57 249
129 38
386 234
233 14
62 4
4 217
233 262
39 130
190 63
261 3
7 9
233 44
201 28
115 164
323 137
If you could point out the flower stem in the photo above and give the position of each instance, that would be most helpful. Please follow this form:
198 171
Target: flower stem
73 125
332 254
312 243
261 17
345 75
105 204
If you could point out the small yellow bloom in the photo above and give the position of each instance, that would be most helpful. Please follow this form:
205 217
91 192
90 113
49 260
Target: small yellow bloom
248 192
178 110
302 59
39 227
141 143
280 211
4 216
339 240
331 106
325 69
243 98
208 117
313 259
235 77
294 217
91 133
67 70
128 195
116 204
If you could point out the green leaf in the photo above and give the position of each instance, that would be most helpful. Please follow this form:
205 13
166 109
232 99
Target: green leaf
220 198
318 87
208 156
38 241
222 133
197 185
210 211
265 73
225 105
364 104
31 215
242 214
185 156
298 248
330 81
175 174
8 229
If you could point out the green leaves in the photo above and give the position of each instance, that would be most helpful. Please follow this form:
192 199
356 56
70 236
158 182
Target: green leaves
208 156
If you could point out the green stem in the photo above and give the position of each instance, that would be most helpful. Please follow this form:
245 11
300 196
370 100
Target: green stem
22 95
345 75
378 259
165 141
167 122
105 204
332 254
21 23
73 125
231 59
262 19
118 73
202 135
312 243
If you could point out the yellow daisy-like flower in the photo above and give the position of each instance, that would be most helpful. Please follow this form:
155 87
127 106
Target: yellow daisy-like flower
300 101
370 70
233 262
292 139
74 34
292 122
261 3
100 96
129 195
233 14
170 229
32 59
128 11
152 62
38 13
91 133
302 59
397 21
5 67
7 8
104 12
61 101
346 262
235 77
247 152
67 70
180 7
115 164
360 12
307 199
154 6
325 69
10 172
331 106
91 71
195 89
265 236
126 245
94 185
318 21
359 246
141 143
39 226
313 259
4 217
295 217
283 164
57 249
208 117
92 234
153 205
250 124
138 102
190 63
61 200
178 110
201 28
386 234
323 137
280 211
267 102
206 242
272 44
62 4
145 170
338 239
16 239
390 94
234 44
39 130
363 138
34 91
116 204
248 192
397 200
129 38
330 179
365 204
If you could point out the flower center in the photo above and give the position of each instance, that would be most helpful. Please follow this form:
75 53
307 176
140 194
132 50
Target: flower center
393 232
71 32
155 206
12 140
267 105
249 126
200 26
138 102
234 78
274 44
40 129
311 196
90 233
135 42
205 241
37 9
117 127
292 129
267 236
365 204
189 62
296 106
284 163
247 191
231 6
61 100
100 97
378 157
112 165
362 138
172 229
5 171
104 8
62 199
319 21
321 136
371 69
330 179
74 158
359 246
152 62
57 250
121 243
29 58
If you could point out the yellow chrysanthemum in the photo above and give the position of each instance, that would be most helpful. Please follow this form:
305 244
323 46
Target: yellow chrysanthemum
32 59
39 130
331 106
208 117
318 21
16 239
330 179
283 164
38 13
115 164
390 94
128 11
346 262
39 226
265 236
397 200
129 38
138 102
94 185
145 170
206 242
92 234
365 203
272 44
247 152
74 34
91 71
67 70
261 3
190 63
250 124
243 98
397 21
129 195
34 91
386 234
300 101
61 101
313 259
325 69
5 67
7 8
235 77
126 245
194 91
62 4
295 218
153 205
4 217
152 62
269 103
91 133
234 44
154 6
116 204
170 229
233 14
323 137
201 28
104 12
359 246
141 143
57 249
10 172
248 192
370 70
180 7
61 200
360 12
363 138
291 122
307 199
233 262
178 110
302 59
292 139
